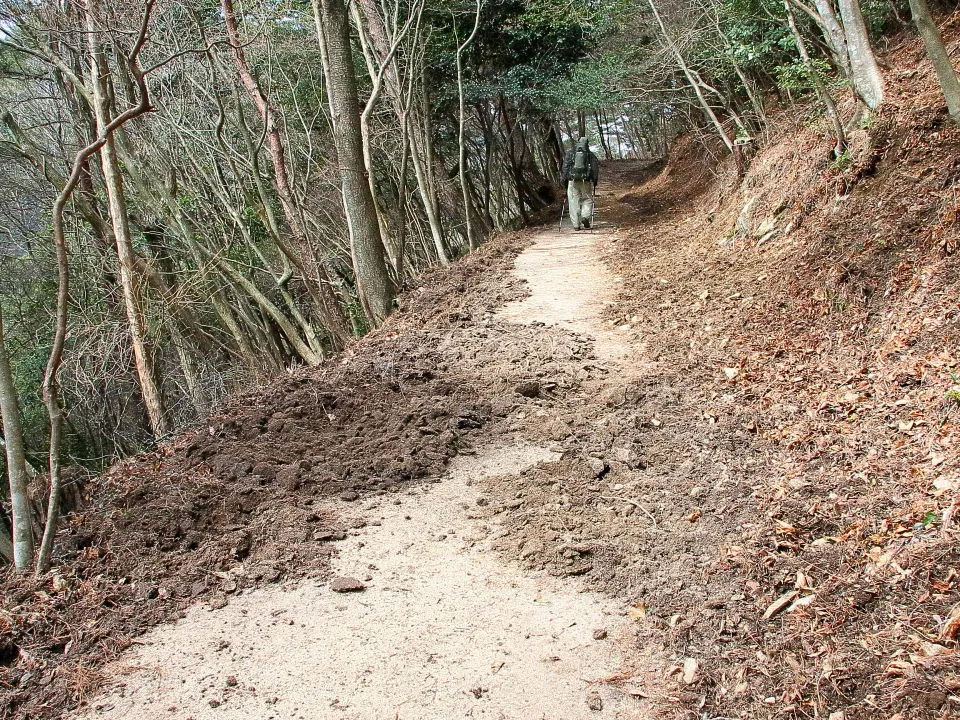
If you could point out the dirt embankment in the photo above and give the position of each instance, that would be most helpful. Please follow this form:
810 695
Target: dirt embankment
246 490
820 300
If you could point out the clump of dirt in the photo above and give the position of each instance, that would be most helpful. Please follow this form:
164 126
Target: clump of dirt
239 501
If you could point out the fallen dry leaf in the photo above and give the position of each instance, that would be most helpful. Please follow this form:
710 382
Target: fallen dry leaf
952 626
803 602
779 604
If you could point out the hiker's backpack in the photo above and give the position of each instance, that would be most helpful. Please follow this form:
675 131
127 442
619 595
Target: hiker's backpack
581 165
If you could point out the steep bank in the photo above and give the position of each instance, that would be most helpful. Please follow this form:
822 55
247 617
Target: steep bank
819 299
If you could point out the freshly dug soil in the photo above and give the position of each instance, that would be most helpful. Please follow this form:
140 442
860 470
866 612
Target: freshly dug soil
162 529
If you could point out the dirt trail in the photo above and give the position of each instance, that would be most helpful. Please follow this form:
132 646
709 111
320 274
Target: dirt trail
444 627
570 286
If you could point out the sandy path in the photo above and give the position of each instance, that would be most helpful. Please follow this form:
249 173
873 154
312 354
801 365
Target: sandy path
444 629
570 287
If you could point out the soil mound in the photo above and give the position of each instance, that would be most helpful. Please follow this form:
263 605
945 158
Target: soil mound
168 529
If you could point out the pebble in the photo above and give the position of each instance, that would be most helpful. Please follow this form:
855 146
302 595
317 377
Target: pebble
346 584
595 702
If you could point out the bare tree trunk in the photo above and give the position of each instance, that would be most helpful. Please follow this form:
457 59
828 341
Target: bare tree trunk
826 17
117 203
938 55
602 134
384 75
51 395
317 281
461 132
410 116
668 39
864 71
822 91
366 244
21 511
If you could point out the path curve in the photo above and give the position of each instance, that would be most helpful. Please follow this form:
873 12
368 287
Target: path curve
444 629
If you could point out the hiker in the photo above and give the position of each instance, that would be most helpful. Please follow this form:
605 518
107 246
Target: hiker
580 171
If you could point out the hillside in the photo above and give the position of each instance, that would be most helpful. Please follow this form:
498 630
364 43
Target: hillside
747 392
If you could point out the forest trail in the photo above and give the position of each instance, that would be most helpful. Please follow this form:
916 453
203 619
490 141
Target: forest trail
444 627
570 286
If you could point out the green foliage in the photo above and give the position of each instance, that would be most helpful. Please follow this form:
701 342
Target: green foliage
529 52
593 84
757 34
796 77
842 161
881 15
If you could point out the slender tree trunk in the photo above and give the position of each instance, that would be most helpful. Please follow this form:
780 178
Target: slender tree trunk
602 135
822 91
366 244
385 74
461 131
317 280
938 55
117 204
410 116
50 388
698 91
836 39
864 71
21 511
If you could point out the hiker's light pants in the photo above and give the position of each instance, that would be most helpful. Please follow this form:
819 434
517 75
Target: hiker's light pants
580 199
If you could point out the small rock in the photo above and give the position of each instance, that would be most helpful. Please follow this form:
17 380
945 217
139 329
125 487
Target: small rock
349 495
600 634
528 389
231 681
697 492
481 501
691 671
533 547
214 703
218 601
595 702
597 466
289 477
265 470
346 584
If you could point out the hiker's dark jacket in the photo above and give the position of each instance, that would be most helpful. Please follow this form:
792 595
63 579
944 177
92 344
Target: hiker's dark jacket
593 166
